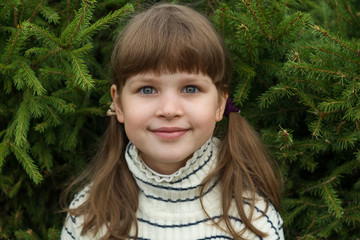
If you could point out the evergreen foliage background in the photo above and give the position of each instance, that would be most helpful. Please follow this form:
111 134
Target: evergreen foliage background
297 80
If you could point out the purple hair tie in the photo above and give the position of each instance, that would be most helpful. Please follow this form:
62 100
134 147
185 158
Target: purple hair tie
230 107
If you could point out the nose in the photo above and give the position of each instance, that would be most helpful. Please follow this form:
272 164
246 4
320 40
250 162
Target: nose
169 106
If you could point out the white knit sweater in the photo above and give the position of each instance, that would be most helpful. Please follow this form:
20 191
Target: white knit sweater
169 205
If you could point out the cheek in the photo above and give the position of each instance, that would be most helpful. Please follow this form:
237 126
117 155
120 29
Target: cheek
204 118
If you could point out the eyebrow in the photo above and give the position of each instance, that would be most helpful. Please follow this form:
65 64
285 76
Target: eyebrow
140 79
197 79
151 79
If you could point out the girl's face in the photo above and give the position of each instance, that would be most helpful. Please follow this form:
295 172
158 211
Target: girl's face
168 116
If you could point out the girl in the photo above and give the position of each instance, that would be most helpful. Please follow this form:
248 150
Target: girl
160 173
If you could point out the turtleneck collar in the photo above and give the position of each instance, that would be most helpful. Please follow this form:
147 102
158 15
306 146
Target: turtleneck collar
182 185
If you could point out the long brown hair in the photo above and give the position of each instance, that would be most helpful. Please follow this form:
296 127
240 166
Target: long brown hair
174 38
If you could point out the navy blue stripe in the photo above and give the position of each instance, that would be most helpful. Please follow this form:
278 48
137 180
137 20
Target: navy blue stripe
200 167
78 197
185 225
70 233
181 200
166 188
280 224
176 188
268 218
269 221
216 237
185 177
206 238
73 219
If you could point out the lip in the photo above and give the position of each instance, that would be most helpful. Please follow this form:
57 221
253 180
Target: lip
169 132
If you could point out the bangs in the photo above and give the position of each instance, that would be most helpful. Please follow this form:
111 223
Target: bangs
169 40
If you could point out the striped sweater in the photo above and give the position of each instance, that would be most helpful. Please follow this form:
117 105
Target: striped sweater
169 205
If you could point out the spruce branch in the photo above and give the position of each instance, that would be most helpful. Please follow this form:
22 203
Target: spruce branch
41 127
49 54
258 5
248 5
348 9
333 225
50 14
84 10
352 215
52 118
238 19
35 107
334 202
329 195
316 126
334 39
15 17
345 141
27 162
4 152
293 22
68 11
289 218
54 71
26 235
22 124
83 78
346 168
43 154
320 70
90 111
71 142
243 90
320 185
5 10
333 105
36 10
223 11
44 34
337 55
22 11
105 22
59 104
28 76
83 50
248 41
14 40
274 93
53 234
15 189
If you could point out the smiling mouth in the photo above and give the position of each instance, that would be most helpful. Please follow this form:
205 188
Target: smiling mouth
169 133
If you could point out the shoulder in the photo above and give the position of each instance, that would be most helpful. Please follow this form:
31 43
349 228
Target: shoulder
73 224
80 197
267 219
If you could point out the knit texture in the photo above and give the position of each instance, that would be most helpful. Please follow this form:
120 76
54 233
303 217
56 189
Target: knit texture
169 205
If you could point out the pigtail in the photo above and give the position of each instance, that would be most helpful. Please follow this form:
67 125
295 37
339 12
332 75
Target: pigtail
247 150
115 206
245 172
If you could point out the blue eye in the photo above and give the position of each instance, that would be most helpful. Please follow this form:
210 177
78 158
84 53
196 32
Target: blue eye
147 90
191 89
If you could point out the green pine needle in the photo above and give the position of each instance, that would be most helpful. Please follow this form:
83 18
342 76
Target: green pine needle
27 162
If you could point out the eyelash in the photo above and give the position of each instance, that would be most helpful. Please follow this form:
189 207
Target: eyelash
153 90
196 89
142 90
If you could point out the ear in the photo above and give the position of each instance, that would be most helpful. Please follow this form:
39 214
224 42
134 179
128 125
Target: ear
117 103
223 96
